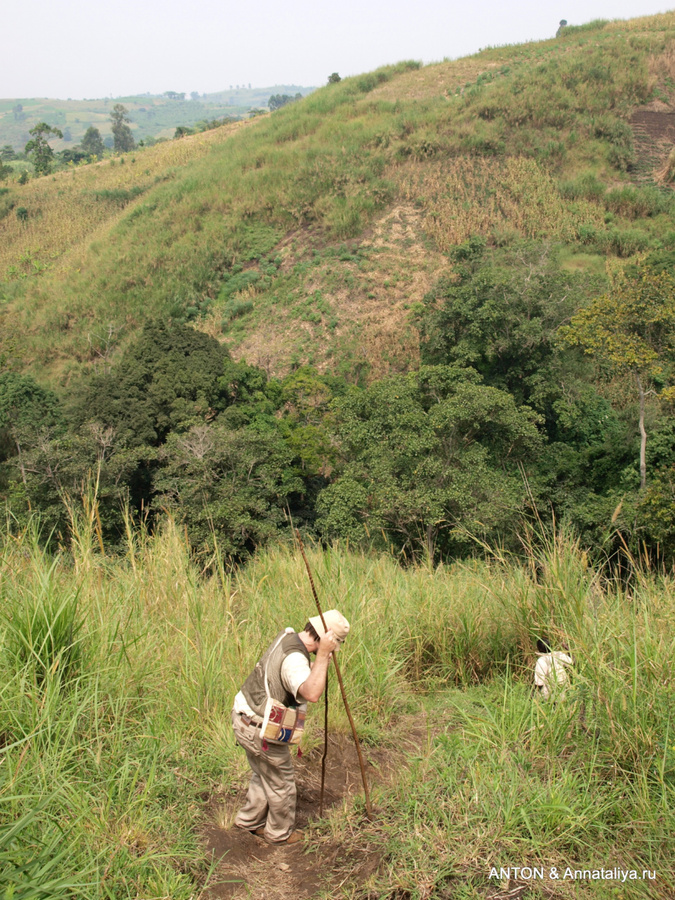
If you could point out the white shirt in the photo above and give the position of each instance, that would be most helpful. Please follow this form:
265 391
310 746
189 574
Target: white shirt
295 670
550 672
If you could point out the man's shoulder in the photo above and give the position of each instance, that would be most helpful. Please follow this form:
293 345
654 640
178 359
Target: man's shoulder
291 643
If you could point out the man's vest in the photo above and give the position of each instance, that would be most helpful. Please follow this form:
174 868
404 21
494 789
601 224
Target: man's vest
253 688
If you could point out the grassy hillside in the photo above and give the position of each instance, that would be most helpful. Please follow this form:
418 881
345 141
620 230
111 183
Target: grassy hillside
411 309
308 236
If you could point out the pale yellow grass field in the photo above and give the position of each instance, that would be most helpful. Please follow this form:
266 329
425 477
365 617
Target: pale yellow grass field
466 196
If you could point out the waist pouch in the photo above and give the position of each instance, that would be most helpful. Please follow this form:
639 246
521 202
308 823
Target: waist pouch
282 724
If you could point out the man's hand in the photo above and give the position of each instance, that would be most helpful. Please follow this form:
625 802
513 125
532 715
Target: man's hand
327 644
313 687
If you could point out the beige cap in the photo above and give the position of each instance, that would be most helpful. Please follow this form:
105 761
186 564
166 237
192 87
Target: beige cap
335 622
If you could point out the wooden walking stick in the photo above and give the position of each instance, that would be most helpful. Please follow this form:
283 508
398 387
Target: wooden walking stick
325 743
342 691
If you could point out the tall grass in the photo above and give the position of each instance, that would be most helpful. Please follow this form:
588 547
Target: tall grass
119 749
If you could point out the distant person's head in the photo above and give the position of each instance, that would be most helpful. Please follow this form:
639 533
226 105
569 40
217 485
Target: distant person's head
543 645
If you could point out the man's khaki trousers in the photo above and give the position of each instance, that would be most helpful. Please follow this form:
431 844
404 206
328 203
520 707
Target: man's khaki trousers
271 794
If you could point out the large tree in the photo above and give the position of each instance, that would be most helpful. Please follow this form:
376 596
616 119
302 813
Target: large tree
235 484
123 139
92 142
427 458
631 330
38 147
167 379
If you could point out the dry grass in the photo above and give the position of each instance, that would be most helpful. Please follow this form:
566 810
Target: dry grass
661 22
67 210
662 65
405 170
483 196
438 80
373 313
666 174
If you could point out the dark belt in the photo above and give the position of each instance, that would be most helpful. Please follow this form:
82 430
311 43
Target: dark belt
247 720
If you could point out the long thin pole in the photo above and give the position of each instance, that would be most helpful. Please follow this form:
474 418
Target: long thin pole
339 678
325 745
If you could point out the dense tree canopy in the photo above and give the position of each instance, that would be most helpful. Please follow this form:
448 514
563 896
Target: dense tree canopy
501 319
504 419
632 330
426 459
166 380
25 409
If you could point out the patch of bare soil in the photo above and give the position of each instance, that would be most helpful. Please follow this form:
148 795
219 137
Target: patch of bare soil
250 868
653 138
373 313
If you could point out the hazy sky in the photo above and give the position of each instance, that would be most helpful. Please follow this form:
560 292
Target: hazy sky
90 48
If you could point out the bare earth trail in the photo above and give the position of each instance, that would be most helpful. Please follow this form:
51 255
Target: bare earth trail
250 868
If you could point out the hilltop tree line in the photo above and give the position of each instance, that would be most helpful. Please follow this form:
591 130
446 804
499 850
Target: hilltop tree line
92 146
524 407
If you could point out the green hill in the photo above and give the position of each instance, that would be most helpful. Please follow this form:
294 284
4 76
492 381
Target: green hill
425 233
341 208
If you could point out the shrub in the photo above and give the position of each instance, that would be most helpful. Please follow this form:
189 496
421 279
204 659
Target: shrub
614 130
626 242
239 282
6 203
585 187
368 82
235 309
587 234
638 202
119 196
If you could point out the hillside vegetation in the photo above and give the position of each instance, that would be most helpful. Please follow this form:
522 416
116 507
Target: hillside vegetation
531 141
427 317
408 309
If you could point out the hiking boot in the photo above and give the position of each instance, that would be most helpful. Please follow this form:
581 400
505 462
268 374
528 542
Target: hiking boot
294 837
259 830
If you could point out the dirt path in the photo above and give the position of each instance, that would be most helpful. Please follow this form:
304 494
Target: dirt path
250 868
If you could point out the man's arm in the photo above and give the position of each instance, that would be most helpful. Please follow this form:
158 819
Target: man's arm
313 687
